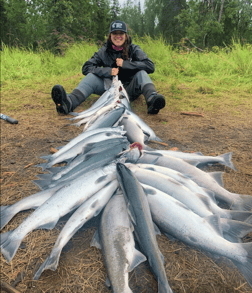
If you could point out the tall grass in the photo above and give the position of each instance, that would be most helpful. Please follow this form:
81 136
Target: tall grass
222 66
215 68
25 65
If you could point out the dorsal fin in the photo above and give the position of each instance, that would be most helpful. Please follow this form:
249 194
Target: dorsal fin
205 200
218 177
96 240
210 193
214 221
192 162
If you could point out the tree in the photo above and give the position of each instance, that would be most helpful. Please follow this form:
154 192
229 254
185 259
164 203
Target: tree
217 22
168 22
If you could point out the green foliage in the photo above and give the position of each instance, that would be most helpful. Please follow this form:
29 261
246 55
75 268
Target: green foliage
216 23
20 65
219 68
189 81
56 24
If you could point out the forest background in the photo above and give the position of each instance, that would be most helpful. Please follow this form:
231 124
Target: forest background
188 24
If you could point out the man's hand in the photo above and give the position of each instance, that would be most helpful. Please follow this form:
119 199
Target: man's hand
119 62
114 71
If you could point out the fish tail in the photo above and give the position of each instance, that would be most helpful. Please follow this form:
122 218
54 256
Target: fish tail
47 177
54 170
77 124
6 216
246 268
47 157
233 230
242 216
9 246
227 160
244 204
157 139
42 166
51 263
74 113
42 184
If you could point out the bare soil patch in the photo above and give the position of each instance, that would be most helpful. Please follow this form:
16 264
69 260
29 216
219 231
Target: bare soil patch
81 268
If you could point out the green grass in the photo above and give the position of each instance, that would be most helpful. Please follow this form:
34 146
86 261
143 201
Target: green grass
201 81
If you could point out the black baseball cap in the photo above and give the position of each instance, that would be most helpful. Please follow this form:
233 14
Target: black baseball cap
118 25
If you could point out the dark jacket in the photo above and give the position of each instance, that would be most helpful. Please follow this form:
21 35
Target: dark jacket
104 60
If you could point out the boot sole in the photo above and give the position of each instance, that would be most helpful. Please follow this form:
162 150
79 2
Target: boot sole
157 104
60 99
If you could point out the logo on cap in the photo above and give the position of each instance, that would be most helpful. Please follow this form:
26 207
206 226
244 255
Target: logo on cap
117 25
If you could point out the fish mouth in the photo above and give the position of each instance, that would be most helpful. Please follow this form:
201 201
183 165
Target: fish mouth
136 145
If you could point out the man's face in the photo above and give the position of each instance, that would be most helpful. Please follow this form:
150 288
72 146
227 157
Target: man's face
118 38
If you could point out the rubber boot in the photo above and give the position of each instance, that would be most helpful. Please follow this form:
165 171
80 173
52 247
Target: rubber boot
154 101
66 103
62 101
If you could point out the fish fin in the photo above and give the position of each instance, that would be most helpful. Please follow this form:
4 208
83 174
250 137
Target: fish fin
243 216
153 153
6 216
96 240
198 153
218 177
156 138
147 148
138 258
210 193
107 282
77 124
192 162
214 221
157 231
249 220
164 288
170 237
47 157
74 113
162 257
132 227
227 160
246 268
130 210
132 215
146 136
205 200
149 191
49 226
54 170
100 179
233 230
51 263
244 204
42 166
47 177
42 184
88 147
9 246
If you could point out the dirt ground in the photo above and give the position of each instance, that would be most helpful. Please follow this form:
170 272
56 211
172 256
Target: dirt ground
81 267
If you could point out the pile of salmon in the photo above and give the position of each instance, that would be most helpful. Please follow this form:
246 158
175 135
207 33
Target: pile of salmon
139 192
